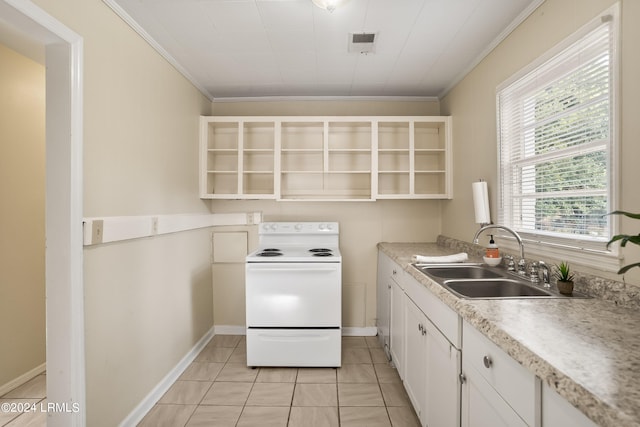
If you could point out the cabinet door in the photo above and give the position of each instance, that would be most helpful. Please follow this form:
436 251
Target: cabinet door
383 303
558 412
442 397
517 386
416 357
397 327
482 406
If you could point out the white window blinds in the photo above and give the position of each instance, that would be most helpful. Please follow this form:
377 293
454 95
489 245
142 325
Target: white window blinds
555 127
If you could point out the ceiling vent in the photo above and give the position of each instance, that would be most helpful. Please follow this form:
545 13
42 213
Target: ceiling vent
363 43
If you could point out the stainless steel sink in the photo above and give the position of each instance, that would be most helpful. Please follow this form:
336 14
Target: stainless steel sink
495 288
472 280
460 272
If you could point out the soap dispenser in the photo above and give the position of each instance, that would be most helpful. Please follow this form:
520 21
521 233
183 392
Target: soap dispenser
492 250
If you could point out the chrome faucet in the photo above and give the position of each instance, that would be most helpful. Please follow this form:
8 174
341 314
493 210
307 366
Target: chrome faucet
521 263
545 274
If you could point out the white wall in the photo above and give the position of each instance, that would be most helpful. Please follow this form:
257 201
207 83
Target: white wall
473 107
22 187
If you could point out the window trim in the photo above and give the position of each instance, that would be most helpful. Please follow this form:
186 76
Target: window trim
575 250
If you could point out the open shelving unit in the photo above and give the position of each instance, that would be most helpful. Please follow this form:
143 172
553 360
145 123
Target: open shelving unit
237 159
325 158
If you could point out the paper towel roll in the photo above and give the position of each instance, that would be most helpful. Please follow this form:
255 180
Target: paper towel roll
481 202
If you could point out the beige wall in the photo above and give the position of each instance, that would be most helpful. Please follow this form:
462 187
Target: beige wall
472 105
362 224
148 301
22 185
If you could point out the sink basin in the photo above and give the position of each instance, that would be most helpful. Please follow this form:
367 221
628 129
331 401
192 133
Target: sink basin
495 288
461 272
472 280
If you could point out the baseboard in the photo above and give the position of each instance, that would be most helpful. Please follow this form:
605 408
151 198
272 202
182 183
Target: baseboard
159 390
230 330
369 331
22 379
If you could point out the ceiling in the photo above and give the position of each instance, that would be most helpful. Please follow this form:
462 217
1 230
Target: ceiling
291 48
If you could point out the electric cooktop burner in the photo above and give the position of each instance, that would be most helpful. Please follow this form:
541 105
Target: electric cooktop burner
321 252
270 252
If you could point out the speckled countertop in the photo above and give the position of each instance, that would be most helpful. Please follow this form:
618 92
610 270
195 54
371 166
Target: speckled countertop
588 350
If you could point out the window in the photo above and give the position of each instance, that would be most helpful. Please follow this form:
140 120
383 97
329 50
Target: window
556 126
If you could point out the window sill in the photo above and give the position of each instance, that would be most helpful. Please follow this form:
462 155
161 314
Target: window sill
608 261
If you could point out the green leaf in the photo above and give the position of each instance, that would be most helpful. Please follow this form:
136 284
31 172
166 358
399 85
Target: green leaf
628 267
615 239
627 214
625 238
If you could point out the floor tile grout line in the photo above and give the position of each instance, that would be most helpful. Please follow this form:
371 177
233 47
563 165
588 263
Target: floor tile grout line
296 383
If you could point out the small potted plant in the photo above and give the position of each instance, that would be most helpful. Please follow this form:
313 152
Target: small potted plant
564 278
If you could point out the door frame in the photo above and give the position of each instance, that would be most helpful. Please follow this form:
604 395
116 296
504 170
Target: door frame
65 350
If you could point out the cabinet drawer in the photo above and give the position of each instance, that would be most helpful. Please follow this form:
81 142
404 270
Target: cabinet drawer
444 318
512 381
397 275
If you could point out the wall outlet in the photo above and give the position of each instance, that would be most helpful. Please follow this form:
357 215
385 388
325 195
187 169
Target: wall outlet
97 230
254 218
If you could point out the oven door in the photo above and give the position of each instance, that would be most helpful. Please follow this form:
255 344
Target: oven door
293 295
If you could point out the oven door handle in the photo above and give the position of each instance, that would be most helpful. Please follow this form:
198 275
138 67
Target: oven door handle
300 269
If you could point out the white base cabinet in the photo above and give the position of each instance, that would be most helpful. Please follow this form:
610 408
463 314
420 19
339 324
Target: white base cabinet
390 311
482 406
432 369
453 374
558 412
443 388
383 301
415 381
397 330
424 337
432 356
497 390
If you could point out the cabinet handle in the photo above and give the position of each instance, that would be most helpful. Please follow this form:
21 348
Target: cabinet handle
394 272
420 327
462 377
487 361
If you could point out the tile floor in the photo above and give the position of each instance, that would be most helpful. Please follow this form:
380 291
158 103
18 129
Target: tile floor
33 393
218 389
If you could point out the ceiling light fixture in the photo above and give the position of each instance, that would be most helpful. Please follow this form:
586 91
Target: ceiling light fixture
328 5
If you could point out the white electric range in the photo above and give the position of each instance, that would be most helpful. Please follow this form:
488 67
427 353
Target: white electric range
294 295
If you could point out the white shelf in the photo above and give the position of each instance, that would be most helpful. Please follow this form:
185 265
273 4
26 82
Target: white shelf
325 158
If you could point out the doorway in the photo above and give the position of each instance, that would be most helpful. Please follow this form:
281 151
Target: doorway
63 253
